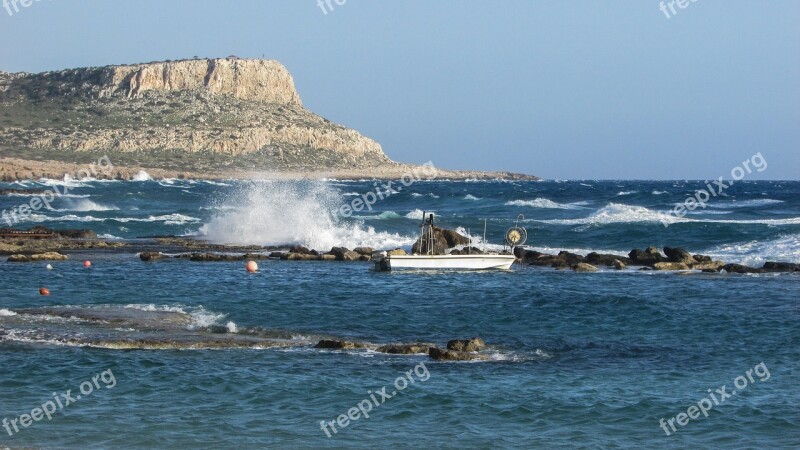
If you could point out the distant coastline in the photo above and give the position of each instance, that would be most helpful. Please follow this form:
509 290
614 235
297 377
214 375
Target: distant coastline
199 118
17 169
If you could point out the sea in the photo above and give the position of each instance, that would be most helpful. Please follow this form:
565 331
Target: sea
194 355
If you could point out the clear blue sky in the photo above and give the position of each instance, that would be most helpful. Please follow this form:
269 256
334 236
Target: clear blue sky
558 88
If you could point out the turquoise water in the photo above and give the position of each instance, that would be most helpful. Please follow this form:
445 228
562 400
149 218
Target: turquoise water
586 360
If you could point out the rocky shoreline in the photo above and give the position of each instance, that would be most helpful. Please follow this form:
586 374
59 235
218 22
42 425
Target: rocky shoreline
17 169
42 244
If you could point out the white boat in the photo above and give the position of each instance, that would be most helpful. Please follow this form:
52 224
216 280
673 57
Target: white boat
464 262
428 260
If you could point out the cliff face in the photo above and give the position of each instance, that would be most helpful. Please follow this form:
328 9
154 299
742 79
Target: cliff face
246 79
195 114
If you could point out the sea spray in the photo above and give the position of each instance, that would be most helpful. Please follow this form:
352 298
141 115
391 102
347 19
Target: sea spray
293 213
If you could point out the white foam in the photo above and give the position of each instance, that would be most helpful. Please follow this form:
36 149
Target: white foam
7 313
417 214
142 176
546 204
430 194
743 203
579 251
232 328
659 192
382 216
152 308
756 253
281 212
84 205
168 219
622 193
470 197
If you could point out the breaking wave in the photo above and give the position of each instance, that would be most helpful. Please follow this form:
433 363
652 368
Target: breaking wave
756 253
293 213
546 204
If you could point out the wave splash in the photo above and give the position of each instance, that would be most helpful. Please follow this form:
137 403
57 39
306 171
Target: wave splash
293 213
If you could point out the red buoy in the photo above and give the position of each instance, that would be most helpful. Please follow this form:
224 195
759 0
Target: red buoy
44 291
251 267
87 264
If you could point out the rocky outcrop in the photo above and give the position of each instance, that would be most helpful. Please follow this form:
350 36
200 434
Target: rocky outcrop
405 349
583 267
475 344
339 345
50 256
438 354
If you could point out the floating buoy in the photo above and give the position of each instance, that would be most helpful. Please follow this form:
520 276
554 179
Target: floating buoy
251 267
48 267
87 264
44 291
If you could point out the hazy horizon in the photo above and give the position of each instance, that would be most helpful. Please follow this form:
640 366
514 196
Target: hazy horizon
561 90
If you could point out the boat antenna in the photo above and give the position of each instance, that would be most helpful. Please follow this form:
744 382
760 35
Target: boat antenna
484 235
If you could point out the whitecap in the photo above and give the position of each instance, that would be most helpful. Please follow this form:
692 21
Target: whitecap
743 203
546 204
142 176
755 253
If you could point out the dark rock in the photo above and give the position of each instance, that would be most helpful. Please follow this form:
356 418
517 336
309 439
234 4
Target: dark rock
455 252
151 256
364 250
570 258
364 258
300 250
78 234
679 255
710 271
702 258
344 254
213 257
298 257
670 266
466 345
738 268
276 255
453 238
254 256
439 246
49 256
600 259
438 354
780 267
338 345
653 251
471 251
560 265
583 267
619 265
404 349
645 258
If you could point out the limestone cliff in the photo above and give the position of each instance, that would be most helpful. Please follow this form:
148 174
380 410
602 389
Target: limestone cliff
196 115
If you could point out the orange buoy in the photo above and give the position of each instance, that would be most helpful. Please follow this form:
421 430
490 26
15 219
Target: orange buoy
44 291
251 267
87 264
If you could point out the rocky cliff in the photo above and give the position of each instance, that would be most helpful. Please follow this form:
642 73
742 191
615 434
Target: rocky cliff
201 116
196 114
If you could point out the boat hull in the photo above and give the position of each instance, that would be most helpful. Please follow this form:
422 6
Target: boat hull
456 262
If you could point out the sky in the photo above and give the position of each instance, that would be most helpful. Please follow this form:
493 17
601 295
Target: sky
562 89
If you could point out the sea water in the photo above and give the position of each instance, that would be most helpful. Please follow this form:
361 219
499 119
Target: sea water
575 360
